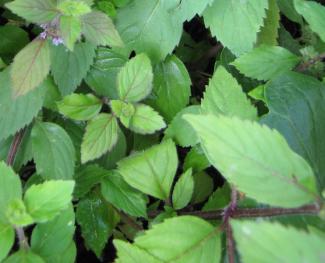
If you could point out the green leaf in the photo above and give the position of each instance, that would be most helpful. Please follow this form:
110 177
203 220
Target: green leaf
134 81
7 239
17 215
54 237
51 142
297 108
116 191
196 159
266 62
10 189
74 8
80 106
36 11
17 113
236 23
97 221
256 159
183 190
225 96
123 110
24 256
171 87
45 201
182 239
145 171
101 136
219 199
30 67
99 29
145 120
70 30
314 14
65 64
12 40
255 240
203 187
288 9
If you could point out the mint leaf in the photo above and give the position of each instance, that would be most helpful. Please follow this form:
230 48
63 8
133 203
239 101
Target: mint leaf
70 29
17 214
7 239
26 256
12 40
74 8
183 190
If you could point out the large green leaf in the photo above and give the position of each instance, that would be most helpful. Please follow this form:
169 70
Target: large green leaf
116 191
73 8
7 239
146 172
225 96
45 201
236 23
51 142
271 242
297 108
12 40
30 67
101 136
70 30
69 68
256 159
183 190
181 239
24 256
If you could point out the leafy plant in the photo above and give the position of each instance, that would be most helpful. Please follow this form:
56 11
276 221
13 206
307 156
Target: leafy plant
162 131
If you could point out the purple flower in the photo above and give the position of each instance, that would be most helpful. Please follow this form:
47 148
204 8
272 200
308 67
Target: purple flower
43 35
57 41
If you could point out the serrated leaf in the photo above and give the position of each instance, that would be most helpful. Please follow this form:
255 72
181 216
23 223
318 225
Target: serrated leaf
74 8
101 136
256 159
297 109
99 29
65 64
24 256
183 190
225 96
266 62
51 142
80 106
36 11
236 23
288 9
17 214
145 171
13 39
30 67
134 81
123 110
7 239
45 201
255 240
70 30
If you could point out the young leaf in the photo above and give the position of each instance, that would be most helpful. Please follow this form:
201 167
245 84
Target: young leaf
30 67
101 136
17 214
225 96
99 29
255 240
36 11
196 160
256 159
145 171
134 81
70 30
51 142
25 256
266 62
45 201
7 239
116 191
236 23
65 64
123 110
80 106
183 190
74 8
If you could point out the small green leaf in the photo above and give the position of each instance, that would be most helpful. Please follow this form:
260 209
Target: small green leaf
266 62
24 256
80 106
17 215
116 191
183 190
70 30
101 136
123 110
7 239
203 187
74 8
30 67
45 201
196 159
146 172
219 199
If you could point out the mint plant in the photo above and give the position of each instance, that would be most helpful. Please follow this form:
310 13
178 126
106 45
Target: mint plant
162 131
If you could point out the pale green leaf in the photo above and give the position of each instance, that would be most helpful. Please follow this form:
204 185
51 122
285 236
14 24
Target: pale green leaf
45 201
101 136
17 214
70 30
116 191
236 23
135 79
146 172
266 62
80 106
271 242
74 8
7 239
123 110
225 96
256 159
30 67
24 256
183 190
51 142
